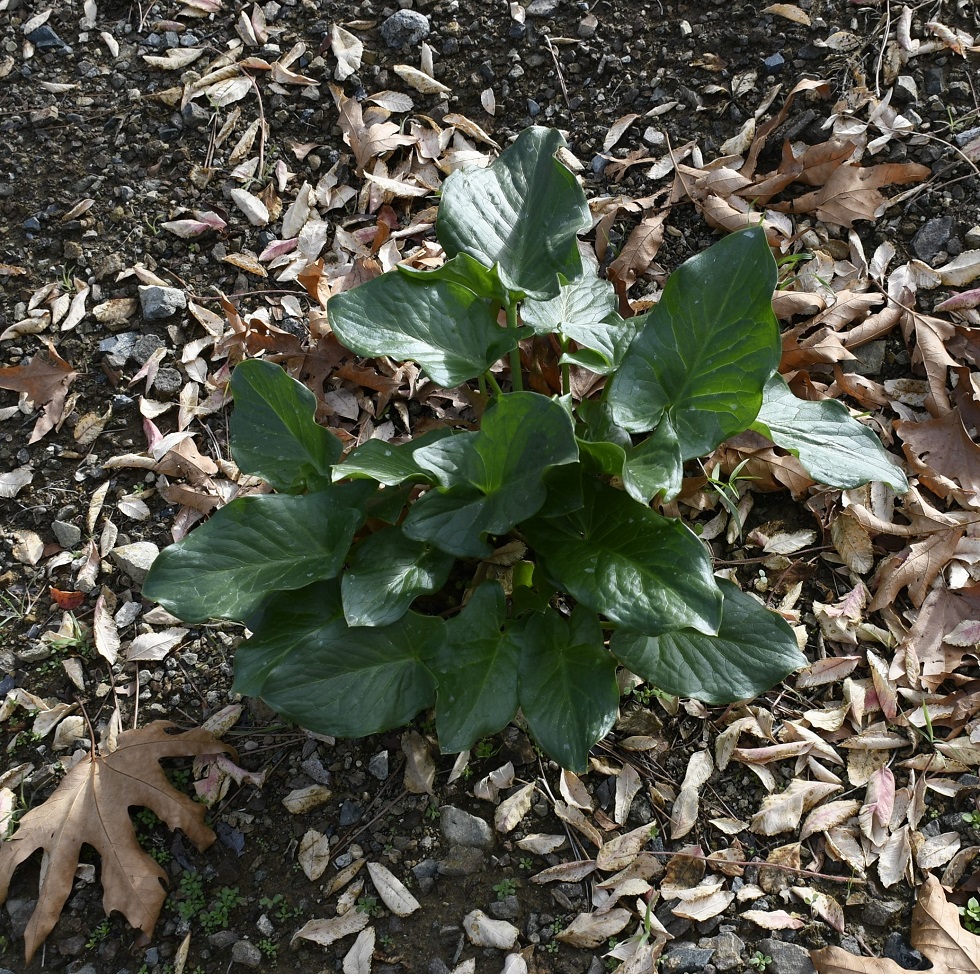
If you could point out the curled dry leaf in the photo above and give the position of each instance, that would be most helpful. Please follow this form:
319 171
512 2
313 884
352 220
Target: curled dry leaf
348 51
357 960
302 800
540 844
104 626
772 919
153 646
392 890
326 932
510 811
482 931
419 80
420 768
589 930
685 811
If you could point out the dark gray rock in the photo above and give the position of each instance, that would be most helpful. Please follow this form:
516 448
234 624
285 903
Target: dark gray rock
868 360
895 948
145 346
168 382
68 535
931 237
378 766
462 828
686 959
161 302
223 939
45 39
405 28
461 861
905 90
246 953
727 950
786 958
19 911
882 913
314 769
350 814
195 116
506 909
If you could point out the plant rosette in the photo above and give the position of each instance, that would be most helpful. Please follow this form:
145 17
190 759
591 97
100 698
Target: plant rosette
329 572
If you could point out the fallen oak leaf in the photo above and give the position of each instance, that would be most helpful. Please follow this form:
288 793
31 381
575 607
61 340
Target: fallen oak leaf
43 378
936 933
91 807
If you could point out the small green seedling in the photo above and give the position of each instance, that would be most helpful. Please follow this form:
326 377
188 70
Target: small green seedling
760 961
505 888
363 579
972 819
970 915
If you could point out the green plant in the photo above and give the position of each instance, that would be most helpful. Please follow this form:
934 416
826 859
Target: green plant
505 888
325 571
190 895
432 812
218 916
269 948
370 906
97 935
526 863
972 819
760 961
971 915
484 749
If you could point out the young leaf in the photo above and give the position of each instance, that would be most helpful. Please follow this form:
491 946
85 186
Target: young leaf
476 672
385 572
493 478
444 327
251 547
567 683
306 663
273 433
754 649
706 350
522 214
626 562
586 311
465 271
833 447
655 465
387 463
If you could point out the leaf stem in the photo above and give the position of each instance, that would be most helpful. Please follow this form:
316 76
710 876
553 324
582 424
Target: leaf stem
493 382
566 369
516 379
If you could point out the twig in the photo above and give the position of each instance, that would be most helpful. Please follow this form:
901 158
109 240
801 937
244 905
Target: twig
554 57
766 865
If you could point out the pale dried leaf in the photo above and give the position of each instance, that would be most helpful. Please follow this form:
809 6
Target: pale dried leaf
347 49
314 854
326 932
419 80
511 810
420 767
482 931
357 960
589 930
541 844
773 919
685 811
104 629
392 891
302 800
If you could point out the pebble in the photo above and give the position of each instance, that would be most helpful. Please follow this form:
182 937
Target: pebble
461 861
145 346
542 8
378 766
246 953
405 28
774 62
223 939
461 828
44 38
932 237
882 913
350 814
264 926
972 237
32 223
168 382
869 359
786 958
195 116
135 559
68 535
506 909
161 302
906 91
895 948
313 768
727 949
128 613
686 959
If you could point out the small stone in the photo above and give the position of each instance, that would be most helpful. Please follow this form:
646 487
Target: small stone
506 909
727 949
931 237
246 953
378 766
127 614
161 302
264 926
882 913
32 224
135 559
405 28
786 958
972 237
223 939
533 108
71 946
774 62
19 911
461 861
145 346
68 535
542 8
36 653
195 116
72 250
313 768
168 382
462 828
906 91
686 960
895 948
350 814
869 359
44 38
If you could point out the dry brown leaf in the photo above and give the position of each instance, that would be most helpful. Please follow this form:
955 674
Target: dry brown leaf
419 80
314 854
945 458
420 768
936 933
44 378
782 812
790 11
91 806
773 919
685 811
325 932
589 930
348 51
357 960
510 811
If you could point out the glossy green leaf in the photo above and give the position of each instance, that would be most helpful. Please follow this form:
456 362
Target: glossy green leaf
491 479
753 651
465 271
476 672
306 663
273 432
626 562
522 214
585 311
602 444
567 683
706 349
385 572
255 545
833 447
446 328
387 463
655 467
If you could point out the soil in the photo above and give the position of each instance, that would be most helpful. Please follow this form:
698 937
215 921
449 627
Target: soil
78 123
